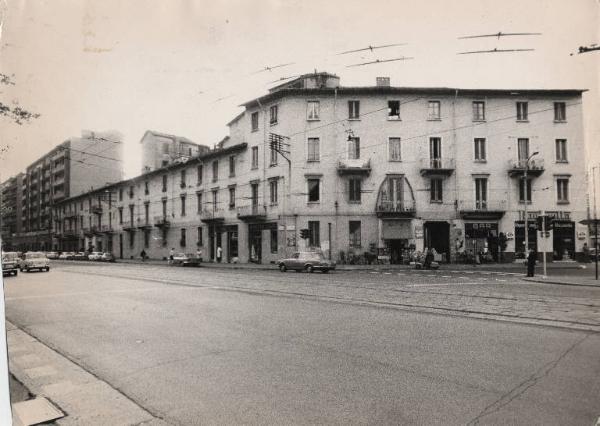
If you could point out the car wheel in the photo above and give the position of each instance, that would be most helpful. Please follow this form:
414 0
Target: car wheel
47 269
282 268
15 272
309 269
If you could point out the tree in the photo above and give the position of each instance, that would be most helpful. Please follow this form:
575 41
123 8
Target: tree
15 113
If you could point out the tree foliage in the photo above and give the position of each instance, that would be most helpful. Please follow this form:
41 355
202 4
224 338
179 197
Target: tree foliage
15 113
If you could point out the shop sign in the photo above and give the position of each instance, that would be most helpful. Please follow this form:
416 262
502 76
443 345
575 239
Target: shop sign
581 235
510 235
559 215
480 230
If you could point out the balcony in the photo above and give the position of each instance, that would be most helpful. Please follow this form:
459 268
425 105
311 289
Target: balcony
161 222
482 210
354 167
516 168
436 166
106 229
212 215
96 209
129 227
252 212
396 209
70 233
145 225
96 230
87 231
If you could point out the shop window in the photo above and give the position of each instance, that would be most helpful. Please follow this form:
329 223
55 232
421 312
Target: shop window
354 233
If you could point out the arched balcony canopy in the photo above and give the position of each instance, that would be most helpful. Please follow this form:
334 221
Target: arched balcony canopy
395 198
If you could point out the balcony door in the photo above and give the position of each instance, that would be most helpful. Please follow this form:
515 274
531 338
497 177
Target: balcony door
522 150
481 193
254 188
435 152
395 192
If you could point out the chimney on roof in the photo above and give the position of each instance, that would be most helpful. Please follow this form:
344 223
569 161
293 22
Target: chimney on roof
382 82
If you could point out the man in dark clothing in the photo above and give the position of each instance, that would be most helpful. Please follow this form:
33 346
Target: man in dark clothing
531 258
428 259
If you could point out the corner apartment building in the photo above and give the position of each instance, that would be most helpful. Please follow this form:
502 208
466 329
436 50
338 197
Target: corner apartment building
161 149
380 170
75 166
10 209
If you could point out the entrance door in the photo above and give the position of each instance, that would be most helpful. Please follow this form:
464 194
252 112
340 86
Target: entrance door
255 243
396 249
232 245
437 236
120 246
564 240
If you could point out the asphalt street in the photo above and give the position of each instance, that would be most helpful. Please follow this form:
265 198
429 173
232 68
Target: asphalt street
210 346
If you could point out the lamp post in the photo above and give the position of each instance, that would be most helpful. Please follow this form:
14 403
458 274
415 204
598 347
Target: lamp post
526 186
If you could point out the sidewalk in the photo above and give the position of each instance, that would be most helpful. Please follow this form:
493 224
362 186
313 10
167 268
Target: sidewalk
565 280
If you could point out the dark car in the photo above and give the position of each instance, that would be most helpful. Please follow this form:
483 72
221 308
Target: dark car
308 261
10 263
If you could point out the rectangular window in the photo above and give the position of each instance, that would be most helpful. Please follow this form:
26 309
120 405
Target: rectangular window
182 240
313 149
131 192
522 111
131 239
273 115
273 188
435 152
164 208
394 149
121 215
353 145
560 111
562 190
353 110
436 192
231 165
522 149
182 183
314 190
215 170
354 233
314 233
131 211
199 237
354 190
164 183
200 171
254 120
524 189
146 188
480 154
433 110
199 202
274 244
274 155
146 213
165 148
478 111
561 150
254 157
215 199
231 198
393 110
146 238
312 110
481 193
182 205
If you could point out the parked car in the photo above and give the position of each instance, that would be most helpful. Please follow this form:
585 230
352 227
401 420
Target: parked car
52 255
35 260
308 261
183 259
79 256
10 263
107 257
95 255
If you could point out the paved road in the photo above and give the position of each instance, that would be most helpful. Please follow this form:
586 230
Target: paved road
206 346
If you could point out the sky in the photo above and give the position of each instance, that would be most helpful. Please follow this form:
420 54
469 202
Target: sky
183 67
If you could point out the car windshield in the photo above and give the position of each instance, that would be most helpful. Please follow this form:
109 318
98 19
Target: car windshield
10 256
312 256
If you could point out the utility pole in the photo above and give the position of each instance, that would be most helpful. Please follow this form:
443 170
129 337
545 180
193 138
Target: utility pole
526 185
595 220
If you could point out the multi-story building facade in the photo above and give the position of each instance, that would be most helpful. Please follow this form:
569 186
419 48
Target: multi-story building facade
161 149
368 172
10 210
75 166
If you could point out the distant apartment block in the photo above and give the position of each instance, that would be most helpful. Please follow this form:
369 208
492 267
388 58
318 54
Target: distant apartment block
161 149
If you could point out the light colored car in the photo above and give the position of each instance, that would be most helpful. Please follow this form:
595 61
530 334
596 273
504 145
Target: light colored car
107 257
79 256
10 263
35 260
95 255
306 261
52 255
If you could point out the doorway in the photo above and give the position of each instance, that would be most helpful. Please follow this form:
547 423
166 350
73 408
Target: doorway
255 243
120 246
564 240
437 236
397 250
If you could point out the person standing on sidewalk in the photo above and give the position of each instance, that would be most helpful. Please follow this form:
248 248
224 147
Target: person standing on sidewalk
531 258
143 255
219 254
171 256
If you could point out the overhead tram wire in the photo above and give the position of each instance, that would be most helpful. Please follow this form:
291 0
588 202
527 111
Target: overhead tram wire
371 48
380 61
498 35
495 50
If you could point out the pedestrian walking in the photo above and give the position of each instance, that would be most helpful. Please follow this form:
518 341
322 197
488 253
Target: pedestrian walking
219 254
428 258
531 258
143 255
586 253
171 256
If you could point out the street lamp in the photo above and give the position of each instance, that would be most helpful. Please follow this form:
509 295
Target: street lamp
526 186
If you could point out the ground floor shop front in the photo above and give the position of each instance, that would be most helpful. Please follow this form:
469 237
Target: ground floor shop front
346 239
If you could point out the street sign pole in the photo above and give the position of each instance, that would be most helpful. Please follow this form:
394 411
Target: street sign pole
545 236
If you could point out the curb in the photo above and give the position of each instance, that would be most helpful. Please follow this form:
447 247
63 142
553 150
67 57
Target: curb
542 281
